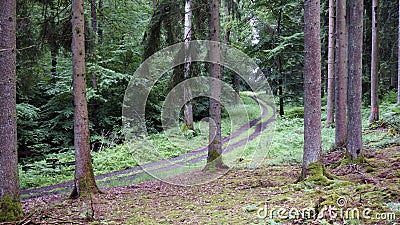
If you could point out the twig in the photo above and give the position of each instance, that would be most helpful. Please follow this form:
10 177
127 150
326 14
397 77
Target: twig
26 219
58 221
3 50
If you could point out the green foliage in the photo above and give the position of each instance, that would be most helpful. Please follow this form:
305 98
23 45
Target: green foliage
318 174
11 209
295 112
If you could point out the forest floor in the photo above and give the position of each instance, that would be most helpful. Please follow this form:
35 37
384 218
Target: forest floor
365 193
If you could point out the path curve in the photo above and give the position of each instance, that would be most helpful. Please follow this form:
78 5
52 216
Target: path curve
202 152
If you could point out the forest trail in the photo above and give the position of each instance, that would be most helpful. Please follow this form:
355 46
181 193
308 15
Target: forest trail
242 196
164 165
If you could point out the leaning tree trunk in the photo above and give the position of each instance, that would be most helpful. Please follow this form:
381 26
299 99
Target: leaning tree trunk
188 109
312 85
374 114
10 204
84 178
331 68
214 158
340 75
354 101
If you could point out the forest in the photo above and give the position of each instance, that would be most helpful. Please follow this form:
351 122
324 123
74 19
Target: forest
199 112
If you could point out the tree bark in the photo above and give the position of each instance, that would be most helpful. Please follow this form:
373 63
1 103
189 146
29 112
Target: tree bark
93 13
331 69
53 53
312 84
99 24
84 178
10 204
354 101
188 109
341 75
374 114
214 158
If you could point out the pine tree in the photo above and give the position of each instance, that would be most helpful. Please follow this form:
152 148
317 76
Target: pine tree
10 204
85 183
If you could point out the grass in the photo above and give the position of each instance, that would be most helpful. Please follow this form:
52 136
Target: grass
281 144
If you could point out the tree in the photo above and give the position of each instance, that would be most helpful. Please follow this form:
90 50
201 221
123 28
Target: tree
331 68
231 11
354 90
214 159
93 14
312 85
340 75
374 114
84 178
188 109
10 203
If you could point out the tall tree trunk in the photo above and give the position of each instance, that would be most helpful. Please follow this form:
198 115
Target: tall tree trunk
93 13
10 204
53 53
374 114
312 84
99 24
354 130
331 61
84 178
214 158
341 75
188 109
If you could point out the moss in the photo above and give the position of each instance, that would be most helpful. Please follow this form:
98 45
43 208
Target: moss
318 174
363 187
214 162
11 209
330 200
347 160
369 169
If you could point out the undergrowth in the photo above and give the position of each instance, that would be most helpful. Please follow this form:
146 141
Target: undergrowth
280 144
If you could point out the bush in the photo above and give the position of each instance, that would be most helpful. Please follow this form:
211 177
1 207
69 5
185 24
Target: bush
295 112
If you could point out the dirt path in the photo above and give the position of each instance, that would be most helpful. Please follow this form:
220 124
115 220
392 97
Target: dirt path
164 165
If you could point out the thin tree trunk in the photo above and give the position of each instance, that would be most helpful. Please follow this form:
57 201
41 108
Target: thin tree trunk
99 24
354 101
340 75
214 158
331 68
279 65
374 115
10 204
188 109
312 85
84 178
93 13
53 53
